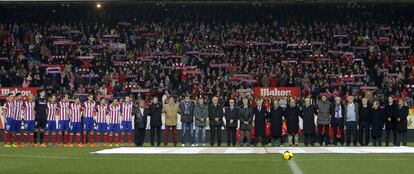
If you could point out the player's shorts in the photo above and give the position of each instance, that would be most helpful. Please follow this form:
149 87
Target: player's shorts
88 124
64 125
8 124
17 125
102 127
114 128
75 126
51 125
126 126
29 125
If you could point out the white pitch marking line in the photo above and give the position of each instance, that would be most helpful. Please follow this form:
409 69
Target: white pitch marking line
294 167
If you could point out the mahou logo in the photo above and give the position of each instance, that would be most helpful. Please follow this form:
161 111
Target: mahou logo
276 92
24 91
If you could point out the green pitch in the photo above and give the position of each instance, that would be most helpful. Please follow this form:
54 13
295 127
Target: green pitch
79 160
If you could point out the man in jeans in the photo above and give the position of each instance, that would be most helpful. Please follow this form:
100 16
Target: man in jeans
351 121
187 118
200 115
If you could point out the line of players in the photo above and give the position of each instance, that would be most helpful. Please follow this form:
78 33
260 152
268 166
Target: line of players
66 119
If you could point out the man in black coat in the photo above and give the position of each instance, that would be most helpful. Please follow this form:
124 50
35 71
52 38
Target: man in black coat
390 121
155 111
231 114
364 122
276 122
337 121
402 113
292 122
377 123
246 120
140 122
215 115
260 115
308 116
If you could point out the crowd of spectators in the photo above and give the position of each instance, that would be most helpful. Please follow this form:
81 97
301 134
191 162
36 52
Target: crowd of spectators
215 51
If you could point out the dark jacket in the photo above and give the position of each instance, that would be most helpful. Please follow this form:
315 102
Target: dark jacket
377 121
356 107
292 119
215 112
308 116
201 114
365 114
276 121
259 121
390 113
246 114
333 113
155 111
187 116
402 113
231 115
140 119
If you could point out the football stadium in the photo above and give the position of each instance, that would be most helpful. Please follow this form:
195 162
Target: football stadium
207 86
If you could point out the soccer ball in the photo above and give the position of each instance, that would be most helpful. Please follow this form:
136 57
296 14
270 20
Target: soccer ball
287 155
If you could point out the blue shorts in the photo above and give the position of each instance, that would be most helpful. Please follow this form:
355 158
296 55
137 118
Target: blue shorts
64 125
8 125
126 126
51 125
88 124
17 125
102 127
114 127
29 125
76 126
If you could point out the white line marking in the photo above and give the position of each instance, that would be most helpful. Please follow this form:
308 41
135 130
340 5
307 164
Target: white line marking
294 167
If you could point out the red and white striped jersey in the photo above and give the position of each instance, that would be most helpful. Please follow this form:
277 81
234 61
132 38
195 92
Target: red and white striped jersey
115 114
9 109
102 112
51 111
29 111
63 110
75 111
18 109
126 111
89 109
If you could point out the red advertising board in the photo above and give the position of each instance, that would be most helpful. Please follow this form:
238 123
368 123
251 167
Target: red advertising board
276 92
13 90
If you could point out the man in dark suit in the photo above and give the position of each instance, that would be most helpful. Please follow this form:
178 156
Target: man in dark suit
364 122
377 123
246 119
390 110
140 121
260 115
231 114
402 113
337 121
308 116
215 115
155 111
292 122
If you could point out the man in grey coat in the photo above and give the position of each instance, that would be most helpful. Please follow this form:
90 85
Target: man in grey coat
200 115
351 118
324 118
246 120
187 119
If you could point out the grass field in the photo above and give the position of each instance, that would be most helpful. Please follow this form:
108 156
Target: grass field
79 160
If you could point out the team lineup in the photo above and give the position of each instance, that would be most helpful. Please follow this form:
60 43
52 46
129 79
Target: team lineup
70 122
